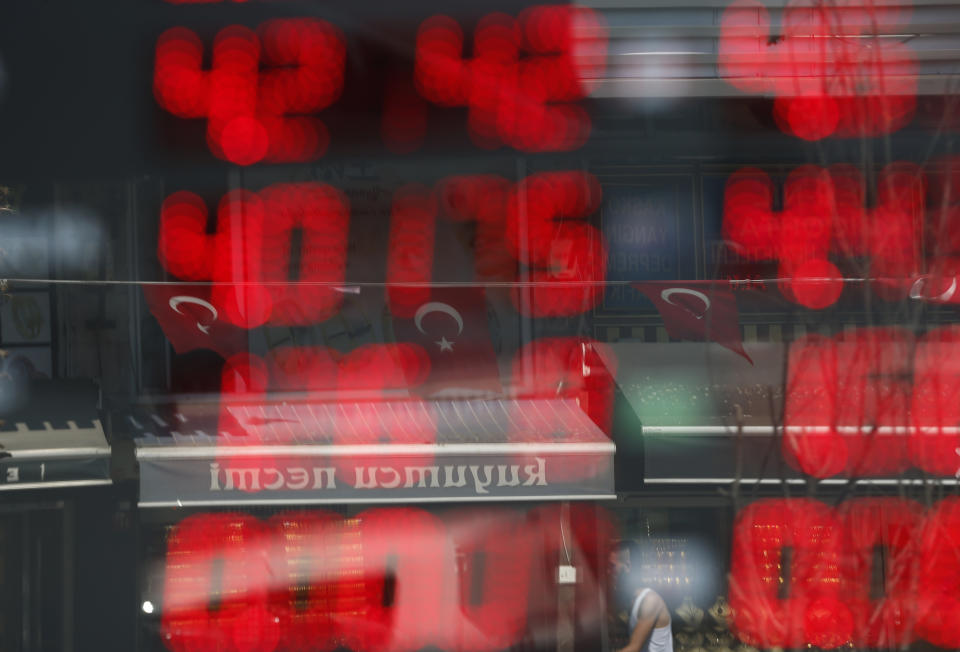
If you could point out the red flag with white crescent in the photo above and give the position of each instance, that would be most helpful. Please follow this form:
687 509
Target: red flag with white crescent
452 326
698 312
190 321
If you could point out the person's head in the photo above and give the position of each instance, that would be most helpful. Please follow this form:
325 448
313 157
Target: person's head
623 578
622 556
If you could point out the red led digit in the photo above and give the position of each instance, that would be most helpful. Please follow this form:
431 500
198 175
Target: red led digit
490 607
809 609
825 435
521 101
823 212
393 572
179 82
304 560
481 198
547 231
255 115
811 440
936 402
321 215
852 219
232 258
576 369
749 226
896 230
891 526
939 603
805 237
309 56
873 367
183 247
205 610
233 131
249 257
799 237
826 79
238 260
469 198
413 224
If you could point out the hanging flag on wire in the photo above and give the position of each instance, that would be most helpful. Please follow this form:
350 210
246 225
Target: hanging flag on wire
451 325
190 321
704 312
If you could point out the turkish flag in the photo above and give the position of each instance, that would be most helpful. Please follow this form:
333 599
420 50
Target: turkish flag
698 311
451 325
190 321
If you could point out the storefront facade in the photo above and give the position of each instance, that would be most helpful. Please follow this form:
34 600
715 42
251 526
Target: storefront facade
433 327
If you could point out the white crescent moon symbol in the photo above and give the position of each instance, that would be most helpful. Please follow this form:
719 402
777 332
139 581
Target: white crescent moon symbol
436 306
175 306
948 294
916 290
666 294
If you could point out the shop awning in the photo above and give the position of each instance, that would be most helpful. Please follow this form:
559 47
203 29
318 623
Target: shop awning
52 437
293 452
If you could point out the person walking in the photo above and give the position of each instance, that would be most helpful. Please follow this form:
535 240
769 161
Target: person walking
648 622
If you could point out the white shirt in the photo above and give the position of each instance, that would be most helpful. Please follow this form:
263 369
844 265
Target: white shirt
661 638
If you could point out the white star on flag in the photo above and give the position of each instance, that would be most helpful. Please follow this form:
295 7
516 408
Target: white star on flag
445 345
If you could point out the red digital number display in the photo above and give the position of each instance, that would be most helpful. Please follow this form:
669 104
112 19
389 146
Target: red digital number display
829 78
820 594
523 102
391 579
264 87
252 114
539 223
248 257
519 87
842 391
824 214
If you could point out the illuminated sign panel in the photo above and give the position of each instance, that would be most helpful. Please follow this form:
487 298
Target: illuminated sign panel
539 223
264 87
389 579
821 593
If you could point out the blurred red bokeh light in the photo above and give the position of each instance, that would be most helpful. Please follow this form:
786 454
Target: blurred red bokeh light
390 579
823 214
874 402
525 102
248 258
255 115
830 73
540 223
823 593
